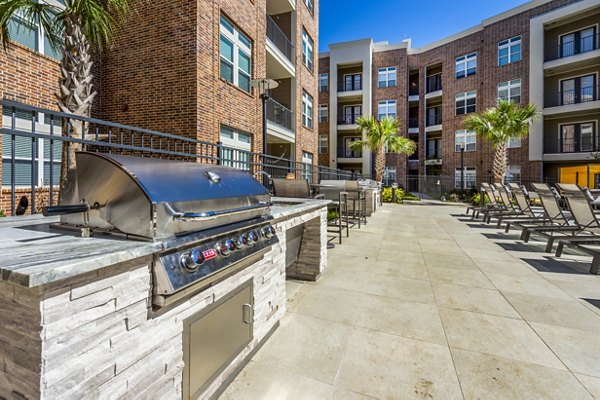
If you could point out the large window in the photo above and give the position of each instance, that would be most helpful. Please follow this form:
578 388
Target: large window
466 103
386 108
509 50
236 151
307 110
386 77
578 90
46 154
470 175
32 35
307 50
513 173
323 144
323 113
236 55
466 139
466 65
578 42
513 143
580 137
323 82
310 5
307 161
510 91
351 114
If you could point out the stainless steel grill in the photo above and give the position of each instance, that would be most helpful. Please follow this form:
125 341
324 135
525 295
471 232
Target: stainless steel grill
211 220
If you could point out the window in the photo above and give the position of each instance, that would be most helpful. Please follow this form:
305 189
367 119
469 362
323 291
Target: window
578 90
310 5
509 51
466 102
32 35
466 65
236 150
510 91
469 177
307 160
48 152
349 150
434 149
578 42
387 108
323 144
323 82
466 138
323 113
307 110
351 114
236 59
351 82
307 50
513 143
513 173
387 77
580 137
389 175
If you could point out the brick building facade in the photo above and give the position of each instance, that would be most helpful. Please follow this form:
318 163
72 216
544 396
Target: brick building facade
432 86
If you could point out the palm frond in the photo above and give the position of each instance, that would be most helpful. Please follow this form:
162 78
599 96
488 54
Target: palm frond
30 12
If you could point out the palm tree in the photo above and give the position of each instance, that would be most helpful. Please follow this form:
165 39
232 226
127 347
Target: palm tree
500 124
380 134
77 28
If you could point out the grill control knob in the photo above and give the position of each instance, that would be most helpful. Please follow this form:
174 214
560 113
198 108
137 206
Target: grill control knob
239 241
191 261
226 247
252 237
244 240
268 232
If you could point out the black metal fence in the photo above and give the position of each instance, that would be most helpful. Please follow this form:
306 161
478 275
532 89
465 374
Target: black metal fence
33 141
569 48
572 96
280 39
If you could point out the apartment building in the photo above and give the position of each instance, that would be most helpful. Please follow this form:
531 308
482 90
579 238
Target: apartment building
185 68
545 52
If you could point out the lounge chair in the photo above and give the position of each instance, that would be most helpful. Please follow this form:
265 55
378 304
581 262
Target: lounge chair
526 213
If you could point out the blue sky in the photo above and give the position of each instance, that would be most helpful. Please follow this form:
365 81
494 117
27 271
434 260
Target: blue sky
394 20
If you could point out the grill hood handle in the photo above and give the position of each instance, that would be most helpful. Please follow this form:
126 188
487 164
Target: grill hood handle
203 216
51 211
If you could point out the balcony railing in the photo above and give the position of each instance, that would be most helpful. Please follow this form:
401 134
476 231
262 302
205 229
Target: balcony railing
435 117
348 153
348 86
413 90
434 83
280 115
279 39
349 119
573 96
413 122
571 48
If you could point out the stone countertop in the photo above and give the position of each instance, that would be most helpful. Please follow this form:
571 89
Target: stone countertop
34 254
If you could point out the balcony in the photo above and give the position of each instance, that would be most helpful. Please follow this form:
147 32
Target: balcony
280 52
350 86
413 125
280 120
344 152
572 48
433 121
433 86
348 121
572 101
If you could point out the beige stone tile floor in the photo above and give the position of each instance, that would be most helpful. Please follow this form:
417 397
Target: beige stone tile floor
424 303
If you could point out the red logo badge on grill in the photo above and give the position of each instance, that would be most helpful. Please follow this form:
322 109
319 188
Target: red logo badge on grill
208 254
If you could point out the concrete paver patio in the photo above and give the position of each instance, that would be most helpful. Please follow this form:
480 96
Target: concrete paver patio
423 303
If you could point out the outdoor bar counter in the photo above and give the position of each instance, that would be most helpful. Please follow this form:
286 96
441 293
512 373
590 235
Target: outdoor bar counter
77 318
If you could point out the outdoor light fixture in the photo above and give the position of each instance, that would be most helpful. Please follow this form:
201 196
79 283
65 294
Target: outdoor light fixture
264 87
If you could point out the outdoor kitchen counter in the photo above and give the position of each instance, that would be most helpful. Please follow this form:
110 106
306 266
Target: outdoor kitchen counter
34 254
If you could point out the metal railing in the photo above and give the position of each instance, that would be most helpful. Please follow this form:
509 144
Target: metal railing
413 122
572 48
433 83
348 86
345 152
349 119
435 118
572 96
280 114
32 156
413 90
280 40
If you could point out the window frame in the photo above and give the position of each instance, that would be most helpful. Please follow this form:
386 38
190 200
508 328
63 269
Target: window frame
465 59
307 117
577 136
238 46
577 88
513 166
470 145
325 108
508 87
575 51
307 168
465 96
238 150
386 104
385 72
323 143
508 44
311 7
308 45
469 176
324 77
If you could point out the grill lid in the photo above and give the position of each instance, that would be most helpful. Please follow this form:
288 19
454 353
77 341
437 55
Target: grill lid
156 198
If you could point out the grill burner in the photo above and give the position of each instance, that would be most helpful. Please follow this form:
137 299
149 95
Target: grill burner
211 220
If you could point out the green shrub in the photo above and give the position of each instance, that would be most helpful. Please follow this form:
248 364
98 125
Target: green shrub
2 214
476 199
401 195
331 215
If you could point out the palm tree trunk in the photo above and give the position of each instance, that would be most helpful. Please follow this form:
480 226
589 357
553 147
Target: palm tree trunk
75 95
379 163
499 168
